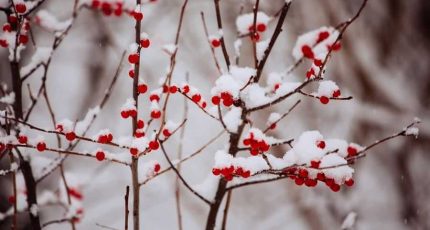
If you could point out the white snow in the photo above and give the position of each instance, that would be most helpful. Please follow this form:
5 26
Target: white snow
50 22
245 21
232 119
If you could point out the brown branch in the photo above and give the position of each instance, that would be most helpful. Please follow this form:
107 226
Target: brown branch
209 42
127 190
283 116
219 22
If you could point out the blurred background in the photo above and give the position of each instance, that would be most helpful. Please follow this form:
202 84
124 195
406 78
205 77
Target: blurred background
383 64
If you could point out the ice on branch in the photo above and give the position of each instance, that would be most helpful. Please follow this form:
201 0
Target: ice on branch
49 22
245 22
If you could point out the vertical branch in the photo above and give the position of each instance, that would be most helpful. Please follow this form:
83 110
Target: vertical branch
126 211
135 160
227 206
219 22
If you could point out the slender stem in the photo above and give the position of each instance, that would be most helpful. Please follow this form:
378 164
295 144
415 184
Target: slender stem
226 209
127 191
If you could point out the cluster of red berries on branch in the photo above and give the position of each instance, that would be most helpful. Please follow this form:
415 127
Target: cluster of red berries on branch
229 172
12 26
256 145
225 97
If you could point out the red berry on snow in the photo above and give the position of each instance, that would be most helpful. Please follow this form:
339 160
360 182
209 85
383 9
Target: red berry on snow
303 173
336 46
315 164
7 27
335 187
186 89
307 52
22 139
254 152
246 174
272 126
310 73
261 27
139 134
41 146
20 8
173 89
145 43
140 124
154 97
100 155
154 145
157 167
70 136
215 43
23 39
336 93
131 73
299 181
142 88
322 36
321 144
95 4
349 182
196 98
125 114
321 176
246 142
166 133
155 114
133 58
134 151
351 151
324 100
138 16
216 171
318 62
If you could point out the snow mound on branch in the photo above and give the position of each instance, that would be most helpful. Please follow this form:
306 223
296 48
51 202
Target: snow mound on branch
246 21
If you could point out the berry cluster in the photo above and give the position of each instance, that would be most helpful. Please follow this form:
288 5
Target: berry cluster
255 31
225 97
229 172
11 27
301 176
257 145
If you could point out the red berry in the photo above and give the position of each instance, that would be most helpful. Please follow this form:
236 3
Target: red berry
142 88
255 37
311 182
154 145
4 43
261 27
41 146
7 27
254 152
70 136
139 134
165 88
102 139
23 39
95 4
133 58
307 52
166 133
133 113
173 89
20 8
186 89
322 36
100 155
117 12
351 151
215 43
303 173
321 176
22 139
2 147
196 98
145 43
336 46
272 126
336 93
140 124
131 73
134 151
310 73
204 105
228 101
318 62
106 8
216 171
157 167
246 142
12 19
349 182
228 177
276 86
315 164
125 114
246 174
109 137
335 187
321 144
299 181
329 182
154 97
155 114
138 16
324 100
